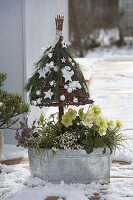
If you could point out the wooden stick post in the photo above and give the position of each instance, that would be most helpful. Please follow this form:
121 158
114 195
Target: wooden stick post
59 26
59 22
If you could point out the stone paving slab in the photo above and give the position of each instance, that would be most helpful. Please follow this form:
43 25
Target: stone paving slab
15 161
96 196
21 160
54 198
111 87
120 162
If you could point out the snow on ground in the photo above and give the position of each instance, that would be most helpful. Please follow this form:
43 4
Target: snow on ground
111 88
18 186
100 54
11 151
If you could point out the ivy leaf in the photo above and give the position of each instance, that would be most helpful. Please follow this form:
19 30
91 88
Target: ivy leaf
88 149
104 151
100 143
87 146
86 142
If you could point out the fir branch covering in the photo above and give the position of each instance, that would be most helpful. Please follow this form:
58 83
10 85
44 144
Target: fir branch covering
55 75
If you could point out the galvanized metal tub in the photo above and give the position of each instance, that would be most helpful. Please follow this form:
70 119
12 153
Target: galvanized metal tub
71 166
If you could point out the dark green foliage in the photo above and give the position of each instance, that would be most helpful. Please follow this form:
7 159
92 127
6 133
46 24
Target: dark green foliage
2 78
87 138
76 132
11 106
43 84
47 137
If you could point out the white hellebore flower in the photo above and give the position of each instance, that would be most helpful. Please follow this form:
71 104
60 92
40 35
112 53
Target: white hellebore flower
86 123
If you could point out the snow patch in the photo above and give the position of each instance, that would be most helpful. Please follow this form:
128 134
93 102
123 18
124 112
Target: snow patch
11 151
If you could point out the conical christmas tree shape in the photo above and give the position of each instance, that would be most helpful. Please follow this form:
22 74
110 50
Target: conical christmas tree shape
58 80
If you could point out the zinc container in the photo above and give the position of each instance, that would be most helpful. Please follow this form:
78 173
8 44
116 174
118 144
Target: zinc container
71 166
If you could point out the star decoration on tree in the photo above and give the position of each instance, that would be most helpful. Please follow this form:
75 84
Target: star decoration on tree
74 85
52 83
43 71
39 101
48 94
63 60
58 80
67 74
67 68
64 44
50 65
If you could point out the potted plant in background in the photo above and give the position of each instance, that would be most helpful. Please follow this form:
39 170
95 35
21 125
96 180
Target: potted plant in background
11 106
72 146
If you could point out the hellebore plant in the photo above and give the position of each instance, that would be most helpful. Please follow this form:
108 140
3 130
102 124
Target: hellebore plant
80 130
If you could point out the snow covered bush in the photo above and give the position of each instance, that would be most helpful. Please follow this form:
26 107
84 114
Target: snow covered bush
80 130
